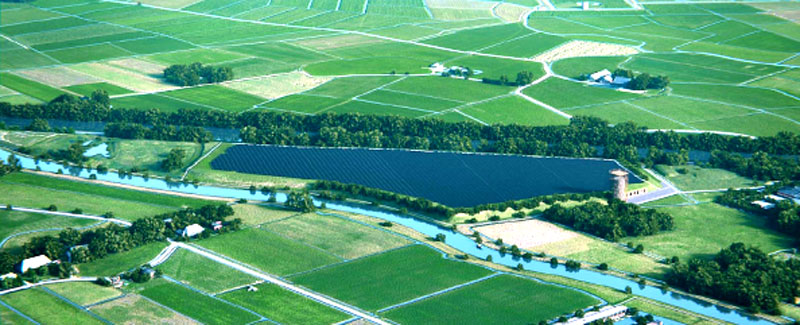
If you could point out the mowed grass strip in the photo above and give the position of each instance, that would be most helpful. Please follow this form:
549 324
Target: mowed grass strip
37 191
506 298
390 278
196 305
268 252
29 87
120 262
84 293
284 306
338 236
48 309
690 177
202 273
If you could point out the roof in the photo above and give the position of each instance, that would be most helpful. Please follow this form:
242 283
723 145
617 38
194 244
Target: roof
192 230
600 74
763 204
793 192
604 313
774 197
34 262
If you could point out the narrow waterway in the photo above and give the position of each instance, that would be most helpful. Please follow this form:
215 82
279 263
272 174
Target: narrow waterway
453 239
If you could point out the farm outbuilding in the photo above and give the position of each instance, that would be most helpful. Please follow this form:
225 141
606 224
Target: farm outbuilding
191 230
34 263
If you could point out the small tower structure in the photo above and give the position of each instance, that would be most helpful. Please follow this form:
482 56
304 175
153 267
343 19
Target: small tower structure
619 183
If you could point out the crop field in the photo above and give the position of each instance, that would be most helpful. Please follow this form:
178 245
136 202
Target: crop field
198 306
335 235
29 190
212 277
390 278
469 180
518 300
121 262
84 293
269 252
87 89
135 309
46 308
15 222
283 306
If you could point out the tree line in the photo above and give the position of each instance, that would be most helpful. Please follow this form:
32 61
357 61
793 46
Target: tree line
613 221
760 165
742 275
196 73
523 78
783 217
81 247
157 132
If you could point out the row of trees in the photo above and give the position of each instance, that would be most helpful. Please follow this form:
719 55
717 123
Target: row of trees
613 221
196 73
394 130
642 81
523 78
174 160
742 275
760 165
98 243
157 132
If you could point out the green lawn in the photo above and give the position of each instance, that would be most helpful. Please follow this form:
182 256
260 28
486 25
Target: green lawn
120 262
252 214
13 222
552 90
29 87
337 236
48 309
269 252
36 191
84 293
390 278
690 177
514 110
284 306
134 309
202 273
7 316
87 89
218 97
702 230
505 298
196 305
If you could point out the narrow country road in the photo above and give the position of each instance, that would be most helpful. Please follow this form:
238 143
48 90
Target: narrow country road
70 215
283 284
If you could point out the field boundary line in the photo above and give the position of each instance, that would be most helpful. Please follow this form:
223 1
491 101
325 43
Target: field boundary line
310 2
2 303
203 157
263 318
229 290
38 284
105 301
659 115
440 292
31 21
366 5
414 243
739 105
71 215
5 240
225 6
74 304
338 5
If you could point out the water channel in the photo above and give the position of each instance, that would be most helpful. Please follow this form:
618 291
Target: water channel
456 240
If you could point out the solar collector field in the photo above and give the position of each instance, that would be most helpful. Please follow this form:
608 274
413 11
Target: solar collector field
453 179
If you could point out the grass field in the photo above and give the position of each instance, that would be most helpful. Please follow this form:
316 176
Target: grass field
390 278
217 97
689 178
48 309
29 87
284 306
14 222
7 316
518 300
134 309
36 191
702 230
268 252
513 110
212 277
196 305
84 293
120 262
252 214
87 89
337 236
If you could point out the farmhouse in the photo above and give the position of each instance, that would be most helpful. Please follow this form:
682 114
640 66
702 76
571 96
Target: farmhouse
763 204
614 313
191 230
602 76
34 263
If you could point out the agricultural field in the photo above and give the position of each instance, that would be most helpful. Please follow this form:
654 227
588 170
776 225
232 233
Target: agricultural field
121 262
136 309
283 306
211 278
198 306
472 180
47 308
390 278
14 223
519 300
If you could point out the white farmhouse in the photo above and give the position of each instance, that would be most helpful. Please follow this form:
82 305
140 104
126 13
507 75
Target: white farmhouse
191 230
603 76
34 263
437 68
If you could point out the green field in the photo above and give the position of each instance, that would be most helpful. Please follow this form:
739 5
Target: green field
390 278
284 306
703 230
87 89
196 305
120 262
216 97
48 309
274 254
36 191
7 316
135 309
335 235
29 87
518 300
212 277
84 293
14 222
689 178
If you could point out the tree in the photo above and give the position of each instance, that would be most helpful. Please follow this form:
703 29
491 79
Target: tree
440 237
623 73
524 78
639 82
639 249
300 201
174 160
39 125
196 73
603 267
628 290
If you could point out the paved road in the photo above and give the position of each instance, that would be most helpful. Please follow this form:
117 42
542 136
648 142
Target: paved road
286 285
